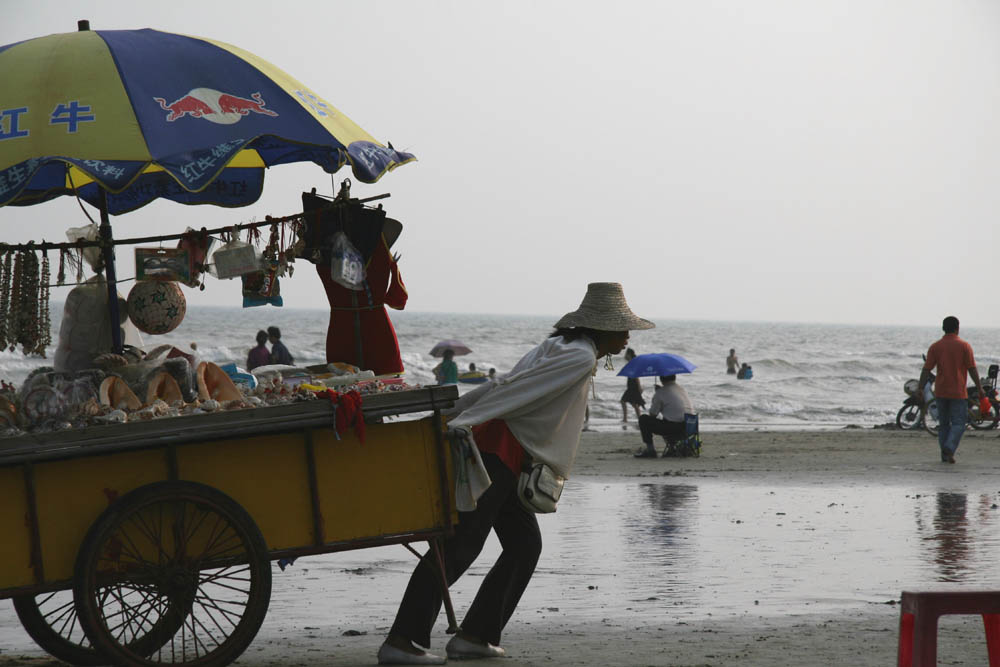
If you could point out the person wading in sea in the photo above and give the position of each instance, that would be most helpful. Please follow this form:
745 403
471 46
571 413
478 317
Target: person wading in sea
732 363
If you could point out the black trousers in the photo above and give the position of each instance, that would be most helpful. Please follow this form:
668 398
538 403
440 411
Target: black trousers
517 529
650 426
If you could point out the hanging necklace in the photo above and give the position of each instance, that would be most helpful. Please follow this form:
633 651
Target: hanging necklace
27 307
4 298
44 324
61 276
13 317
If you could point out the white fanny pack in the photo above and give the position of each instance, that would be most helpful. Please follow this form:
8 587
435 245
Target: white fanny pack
539 488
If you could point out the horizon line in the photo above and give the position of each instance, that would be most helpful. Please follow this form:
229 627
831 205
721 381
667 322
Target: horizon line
557 316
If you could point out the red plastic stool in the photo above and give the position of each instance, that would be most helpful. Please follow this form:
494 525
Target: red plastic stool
918 623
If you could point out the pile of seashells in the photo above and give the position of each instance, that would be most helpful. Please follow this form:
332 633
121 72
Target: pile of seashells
128 392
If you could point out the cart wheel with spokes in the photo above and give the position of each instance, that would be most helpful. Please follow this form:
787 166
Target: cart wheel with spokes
50 619
180 565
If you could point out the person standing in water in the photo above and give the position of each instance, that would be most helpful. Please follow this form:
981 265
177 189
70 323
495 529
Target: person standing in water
447 371
260 355
279 353
732 363
633 392
533 414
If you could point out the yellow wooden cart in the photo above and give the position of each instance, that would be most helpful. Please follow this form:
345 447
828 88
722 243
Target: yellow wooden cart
151 543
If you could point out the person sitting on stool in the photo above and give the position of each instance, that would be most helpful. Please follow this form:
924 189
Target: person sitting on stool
672 402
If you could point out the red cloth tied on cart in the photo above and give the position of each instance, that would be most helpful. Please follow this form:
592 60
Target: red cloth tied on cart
364 310
348 411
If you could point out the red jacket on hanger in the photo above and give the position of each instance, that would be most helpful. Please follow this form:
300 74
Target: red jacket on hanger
379 349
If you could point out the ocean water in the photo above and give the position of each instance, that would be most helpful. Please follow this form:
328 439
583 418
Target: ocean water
811 376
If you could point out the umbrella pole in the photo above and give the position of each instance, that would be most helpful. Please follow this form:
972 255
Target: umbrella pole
108 251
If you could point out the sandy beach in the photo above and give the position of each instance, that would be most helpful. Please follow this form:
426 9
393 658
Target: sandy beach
316 619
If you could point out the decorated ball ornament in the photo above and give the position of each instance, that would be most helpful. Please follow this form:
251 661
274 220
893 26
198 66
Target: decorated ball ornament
156 306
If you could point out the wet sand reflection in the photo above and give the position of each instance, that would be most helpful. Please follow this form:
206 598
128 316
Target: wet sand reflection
716 548
952 539
667 552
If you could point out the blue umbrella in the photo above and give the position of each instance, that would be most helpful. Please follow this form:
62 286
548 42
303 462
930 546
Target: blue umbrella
663 363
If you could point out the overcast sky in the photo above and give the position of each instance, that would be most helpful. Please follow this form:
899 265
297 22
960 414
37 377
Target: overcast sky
785 160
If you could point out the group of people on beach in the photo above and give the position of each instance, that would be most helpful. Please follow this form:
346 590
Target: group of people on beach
527 425
261 356
666 415
670 410
446 372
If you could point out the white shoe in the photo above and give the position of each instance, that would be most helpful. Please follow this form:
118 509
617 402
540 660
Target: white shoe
390 655
459 649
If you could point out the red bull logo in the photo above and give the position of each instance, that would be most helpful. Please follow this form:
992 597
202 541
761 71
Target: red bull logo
214 106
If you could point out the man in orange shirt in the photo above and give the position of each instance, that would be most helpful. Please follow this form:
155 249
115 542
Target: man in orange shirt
953 358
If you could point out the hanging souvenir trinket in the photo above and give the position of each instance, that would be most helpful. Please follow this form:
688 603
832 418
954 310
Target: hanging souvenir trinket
13 317
197 244
156 306
262 287
169 264
347 265
61 276
25 331
5 298
44 323
235 258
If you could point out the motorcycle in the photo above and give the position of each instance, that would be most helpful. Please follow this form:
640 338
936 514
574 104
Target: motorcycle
911 415
976 418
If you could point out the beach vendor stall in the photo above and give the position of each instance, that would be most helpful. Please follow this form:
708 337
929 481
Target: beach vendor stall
121 118
136 527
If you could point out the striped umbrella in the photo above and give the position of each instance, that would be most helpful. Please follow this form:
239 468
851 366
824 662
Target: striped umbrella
144 114
123 117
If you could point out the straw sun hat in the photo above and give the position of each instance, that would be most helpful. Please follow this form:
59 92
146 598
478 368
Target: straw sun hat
604 308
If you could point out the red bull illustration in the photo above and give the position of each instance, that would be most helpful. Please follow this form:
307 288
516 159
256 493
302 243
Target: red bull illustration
214 106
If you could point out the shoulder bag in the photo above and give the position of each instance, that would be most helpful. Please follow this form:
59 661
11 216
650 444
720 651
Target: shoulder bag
539 488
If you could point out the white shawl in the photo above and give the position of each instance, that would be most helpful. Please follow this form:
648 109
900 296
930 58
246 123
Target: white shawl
543 399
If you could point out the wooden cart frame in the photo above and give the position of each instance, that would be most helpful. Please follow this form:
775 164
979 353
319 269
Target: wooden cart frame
164 530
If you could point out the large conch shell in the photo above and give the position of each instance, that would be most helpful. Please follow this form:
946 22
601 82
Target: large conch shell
116 393
164 387
214 384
